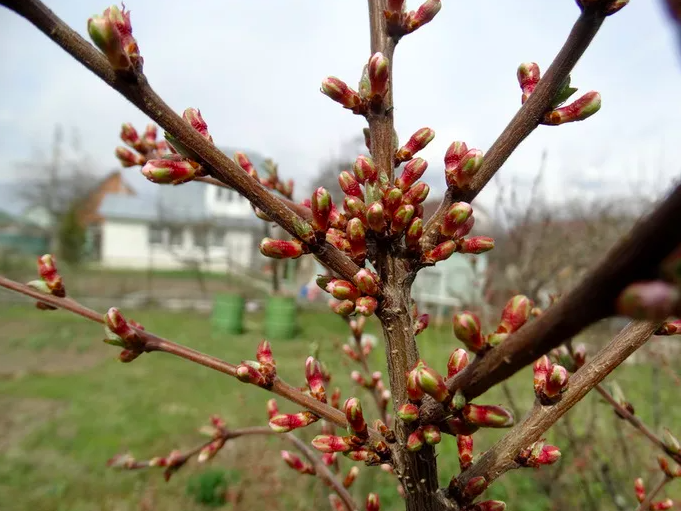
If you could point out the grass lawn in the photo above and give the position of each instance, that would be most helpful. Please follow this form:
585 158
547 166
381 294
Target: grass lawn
66 406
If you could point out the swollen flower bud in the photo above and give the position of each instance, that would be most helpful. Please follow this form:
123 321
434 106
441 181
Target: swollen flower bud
296 463
414 232
128 158
339 91
541 368
350 185
412 172
367 282
455 217
263 353
365 169
528 77
488 416
116 325
373 503
477 245
455 152
343 307
422 15
475 487
112 34
670 328
350 477
355 208
356 236
581 109
392 201
458 360
379 71
416 194
272 408
414 391
639 489
421 323
653 300
408 412
466 168
320 204
315 379
47 269
515 314
342 289
416 440
431 382
670 442
416 143
245 163
249 372
661 505
431 434
281 249
556 382
366 305
332 443
171 170
401 218
285 422
467 329
441 252
464 444
355 418
193 117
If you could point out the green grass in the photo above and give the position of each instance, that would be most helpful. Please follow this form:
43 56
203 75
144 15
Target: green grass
62 426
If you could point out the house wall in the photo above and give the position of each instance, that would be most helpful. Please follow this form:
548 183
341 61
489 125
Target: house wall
225 202
127 244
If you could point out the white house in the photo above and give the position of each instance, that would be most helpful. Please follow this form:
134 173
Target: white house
174 227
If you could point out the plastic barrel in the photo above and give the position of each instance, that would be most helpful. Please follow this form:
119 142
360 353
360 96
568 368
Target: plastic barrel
228 313
280 317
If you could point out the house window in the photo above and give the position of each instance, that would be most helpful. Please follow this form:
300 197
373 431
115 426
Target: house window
155 235
200 235
217 236
175 236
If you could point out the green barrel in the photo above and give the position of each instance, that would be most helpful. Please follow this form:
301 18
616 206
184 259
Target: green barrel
228 313
280 317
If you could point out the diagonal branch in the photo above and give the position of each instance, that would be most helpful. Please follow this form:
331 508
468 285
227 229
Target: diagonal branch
643 506
501 457
525 120
637 256
138 91
155 343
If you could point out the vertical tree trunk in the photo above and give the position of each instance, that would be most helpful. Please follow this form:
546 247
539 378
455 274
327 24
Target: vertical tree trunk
417 471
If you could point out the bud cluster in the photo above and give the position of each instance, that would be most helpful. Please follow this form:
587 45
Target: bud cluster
660 505
141 148
112 34
400 22
50 281
583 108
124 333
550 380
468 329
538 454
352 298
261 371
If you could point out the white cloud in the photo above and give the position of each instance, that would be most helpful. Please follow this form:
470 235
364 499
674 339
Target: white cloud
254 69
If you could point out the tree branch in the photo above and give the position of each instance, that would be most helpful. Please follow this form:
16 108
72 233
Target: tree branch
381 124
501 457
138 91
637 256
524 121
155 343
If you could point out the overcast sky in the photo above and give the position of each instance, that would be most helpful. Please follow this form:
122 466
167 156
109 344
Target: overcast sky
254 69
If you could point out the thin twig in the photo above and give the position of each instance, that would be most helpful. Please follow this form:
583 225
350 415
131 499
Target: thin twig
324 472
155 343
501 457
138 91
637 423
525 120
